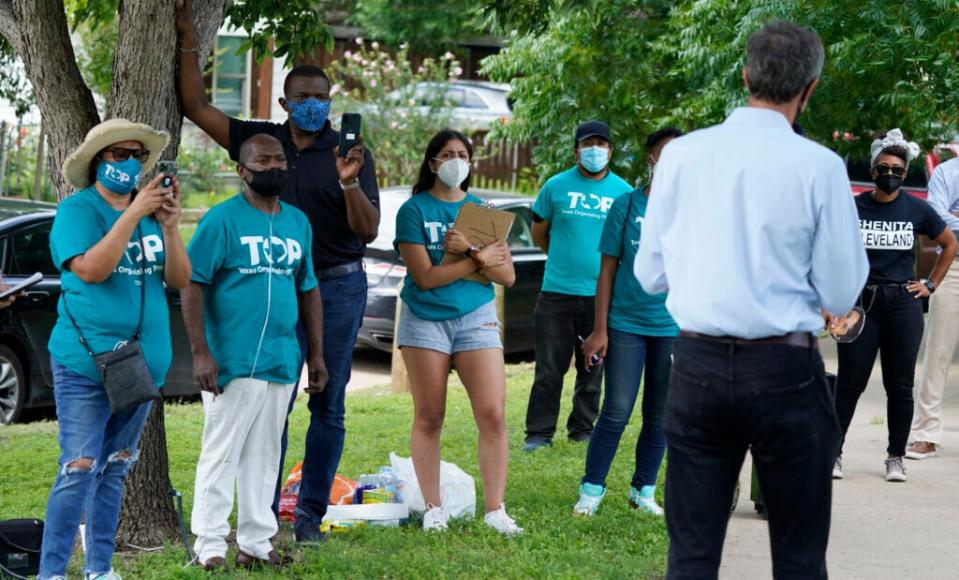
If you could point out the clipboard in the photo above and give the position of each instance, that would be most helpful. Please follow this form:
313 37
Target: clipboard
481 226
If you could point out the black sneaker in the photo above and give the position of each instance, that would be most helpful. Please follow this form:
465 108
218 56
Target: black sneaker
580 438
307 533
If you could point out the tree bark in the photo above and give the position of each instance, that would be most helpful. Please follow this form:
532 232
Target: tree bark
144 90
37 30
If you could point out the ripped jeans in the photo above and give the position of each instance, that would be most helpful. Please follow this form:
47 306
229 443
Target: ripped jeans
97 450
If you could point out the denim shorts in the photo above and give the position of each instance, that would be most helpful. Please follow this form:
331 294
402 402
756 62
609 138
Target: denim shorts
476 330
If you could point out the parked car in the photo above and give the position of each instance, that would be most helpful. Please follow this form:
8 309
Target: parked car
916 183
385 271
477 105
25 377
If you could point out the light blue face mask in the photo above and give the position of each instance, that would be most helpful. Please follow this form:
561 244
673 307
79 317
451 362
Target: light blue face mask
119 177
309 114
594 159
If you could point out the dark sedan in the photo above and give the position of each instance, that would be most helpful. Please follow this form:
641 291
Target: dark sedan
25 377
385 270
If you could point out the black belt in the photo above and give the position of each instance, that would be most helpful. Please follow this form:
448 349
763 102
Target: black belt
800 339
338 271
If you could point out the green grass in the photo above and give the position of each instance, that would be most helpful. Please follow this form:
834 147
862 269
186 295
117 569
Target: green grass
540 493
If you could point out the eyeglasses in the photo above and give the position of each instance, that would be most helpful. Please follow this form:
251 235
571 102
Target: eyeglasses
122 153
886 169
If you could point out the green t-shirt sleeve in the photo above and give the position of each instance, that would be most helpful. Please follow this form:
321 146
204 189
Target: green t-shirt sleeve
543 207
207 249
409 226
305 276
611 242
74 231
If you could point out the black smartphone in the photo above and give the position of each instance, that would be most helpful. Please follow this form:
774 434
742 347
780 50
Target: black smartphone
349 132
593 360
167 169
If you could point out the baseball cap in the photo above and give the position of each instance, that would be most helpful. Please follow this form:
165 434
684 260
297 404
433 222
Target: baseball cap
592 129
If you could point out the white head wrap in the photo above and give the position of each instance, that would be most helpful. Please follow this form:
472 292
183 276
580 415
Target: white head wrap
892 139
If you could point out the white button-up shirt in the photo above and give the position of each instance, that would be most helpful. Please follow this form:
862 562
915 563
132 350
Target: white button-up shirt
944 192
751 228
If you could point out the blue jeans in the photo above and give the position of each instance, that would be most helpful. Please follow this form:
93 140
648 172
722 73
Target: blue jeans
87 431
344 300
626 355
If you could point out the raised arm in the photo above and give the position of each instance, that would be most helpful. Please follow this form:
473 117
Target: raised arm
193 99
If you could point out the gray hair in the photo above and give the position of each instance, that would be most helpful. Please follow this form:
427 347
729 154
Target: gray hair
782 58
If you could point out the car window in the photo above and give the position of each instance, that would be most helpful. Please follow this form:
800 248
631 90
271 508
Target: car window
456 97
520 236
471 100
30 252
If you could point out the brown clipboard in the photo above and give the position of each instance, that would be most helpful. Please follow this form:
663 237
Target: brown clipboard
482 226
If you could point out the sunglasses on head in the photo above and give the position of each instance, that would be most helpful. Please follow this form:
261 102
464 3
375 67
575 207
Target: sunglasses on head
123 153
886 169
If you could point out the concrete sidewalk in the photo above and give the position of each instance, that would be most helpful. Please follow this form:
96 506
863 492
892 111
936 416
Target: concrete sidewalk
879 529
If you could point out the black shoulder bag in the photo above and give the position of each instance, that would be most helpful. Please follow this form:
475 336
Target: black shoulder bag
124 372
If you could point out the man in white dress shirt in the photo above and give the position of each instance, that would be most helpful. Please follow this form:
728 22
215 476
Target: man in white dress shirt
753 230
942 328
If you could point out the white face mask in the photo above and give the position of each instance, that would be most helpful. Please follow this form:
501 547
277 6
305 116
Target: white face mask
453 172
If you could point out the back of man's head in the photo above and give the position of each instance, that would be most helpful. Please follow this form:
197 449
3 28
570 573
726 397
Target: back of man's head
782 59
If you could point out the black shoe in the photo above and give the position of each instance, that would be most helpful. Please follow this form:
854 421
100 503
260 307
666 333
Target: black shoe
307 533
580 438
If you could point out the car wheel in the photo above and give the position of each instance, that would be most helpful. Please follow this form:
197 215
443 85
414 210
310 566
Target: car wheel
13 386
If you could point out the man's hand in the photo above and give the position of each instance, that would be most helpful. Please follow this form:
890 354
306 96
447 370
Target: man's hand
205 373
348 168
317 374
184 19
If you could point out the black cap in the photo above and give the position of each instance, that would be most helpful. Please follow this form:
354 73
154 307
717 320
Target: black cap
592 129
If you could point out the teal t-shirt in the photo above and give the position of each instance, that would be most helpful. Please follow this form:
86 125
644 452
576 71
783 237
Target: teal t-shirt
423 220
107 312
576 208
249 283
632 309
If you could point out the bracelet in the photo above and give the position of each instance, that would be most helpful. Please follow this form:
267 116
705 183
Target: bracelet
194 49
350 186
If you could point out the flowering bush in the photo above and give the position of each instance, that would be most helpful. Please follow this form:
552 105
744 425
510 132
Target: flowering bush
403 103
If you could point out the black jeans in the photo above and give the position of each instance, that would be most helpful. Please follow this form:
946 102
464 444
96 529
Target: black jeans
893 327
559 319
723 399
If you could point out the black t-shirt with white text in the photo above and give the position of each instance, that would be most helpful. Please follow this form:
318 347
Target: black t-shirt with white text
889 233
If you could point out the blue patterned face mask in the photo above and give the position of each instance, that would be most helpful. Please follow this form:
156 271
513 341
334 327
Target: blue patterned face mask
119 177
594 159
309 114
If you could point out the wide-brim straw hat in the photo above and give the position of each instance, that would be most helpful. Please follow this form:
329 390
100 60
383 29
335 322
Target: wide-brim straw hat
76 167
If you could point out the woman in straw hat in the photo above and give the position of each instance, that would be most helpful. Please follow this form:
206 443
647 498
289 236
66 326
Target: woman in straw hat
115 247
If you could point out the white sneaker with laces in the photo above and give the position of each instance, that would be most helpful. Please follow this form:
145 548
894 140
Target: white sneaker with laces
646 504
895 470
502 523
435 519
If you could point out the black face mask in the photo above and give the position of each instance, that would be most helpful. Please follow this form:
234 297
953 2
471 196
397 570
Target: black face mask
268 183
887 183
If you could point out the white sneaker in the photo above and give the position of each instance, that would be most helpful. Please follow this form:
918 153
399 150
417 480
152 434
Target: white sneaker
895 470
111 575
590 496
646 504
837 469
502 523
435 519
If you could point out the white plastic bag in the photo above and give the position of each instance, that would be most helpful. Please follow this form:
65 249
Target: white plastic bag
457 488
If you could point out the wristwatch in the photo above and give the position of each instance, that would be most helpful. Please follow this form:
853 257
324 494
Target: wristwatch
930 285
355 184
470 251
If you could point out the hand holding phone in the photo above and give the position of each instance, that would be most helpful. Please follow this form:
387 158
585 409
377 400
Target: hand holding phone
350 125
167 169
594 360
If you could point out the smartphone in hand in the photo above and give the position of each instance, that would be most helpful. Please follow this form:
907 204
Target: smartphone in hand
349 132
593 360
167 169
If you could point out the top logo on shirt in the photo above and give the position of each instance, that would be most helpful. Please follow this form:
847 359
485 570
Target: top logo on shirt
588 204
273 251
146 250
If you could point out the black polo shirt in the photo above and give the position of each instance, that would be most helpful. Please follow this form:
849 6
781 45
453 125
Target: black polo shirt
314 187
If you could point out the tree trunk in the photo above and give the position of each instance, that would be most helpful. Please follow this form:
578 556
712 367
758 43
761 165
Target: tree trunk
37 30
144 90
41 154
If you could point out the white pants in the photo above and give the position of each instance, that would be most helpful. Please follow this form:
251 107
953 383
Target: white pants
241 445
942 335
